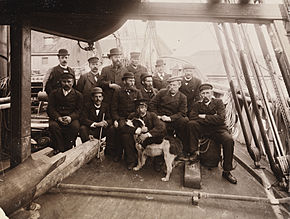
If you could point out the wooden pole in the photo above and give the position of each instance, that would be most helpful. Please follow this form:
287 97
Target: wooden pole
20 39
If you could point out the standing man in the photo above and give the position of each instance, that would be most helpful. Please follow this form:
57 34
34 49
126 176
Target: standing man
95 116
160 77
207 118
56 72
155 134
171 107
136 68
64 108
111 76
90 79
147 89
123 105
190 85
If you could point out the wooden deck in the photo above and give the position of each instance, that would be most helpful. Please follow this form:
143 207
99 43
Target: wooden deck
58 204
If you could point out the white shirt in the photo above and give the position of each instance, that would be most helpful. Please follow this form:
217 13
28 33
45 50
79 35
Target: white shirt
65 93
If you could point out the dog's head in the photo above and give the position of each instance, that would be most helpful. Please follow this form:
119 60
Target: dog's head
137 123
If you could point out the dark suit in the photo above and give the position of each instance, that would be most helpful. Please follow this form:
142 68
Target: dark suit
53 81
122 105
91 114
148 94
85 84
160 83
137 73
191 90
213 126
155 127
173 106
108 76
64 136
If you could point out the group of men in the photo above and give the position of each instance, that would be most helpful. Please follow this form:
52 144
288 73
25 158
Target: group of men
98 105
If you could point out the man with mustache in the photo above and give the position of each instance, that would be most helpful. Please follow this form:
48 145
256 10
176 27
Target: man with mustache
95 116
190 85
122 105
147 89
56 72
207 118
136 68
64 108
90 79
160 77
111 76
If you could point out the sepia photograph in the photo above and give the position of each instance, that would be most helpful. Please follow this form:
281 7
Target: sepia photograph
158 109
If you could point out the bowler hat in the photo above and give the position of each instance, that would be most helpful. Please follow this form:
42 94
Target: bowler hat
114 51
128 75
63 52
188 66
144 75
135 55
159 62
96 90
93 59
205 86
141 102
174 78
67 76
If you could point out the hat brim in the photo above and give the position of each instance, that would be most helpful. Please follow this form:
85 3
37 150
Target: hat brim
113 54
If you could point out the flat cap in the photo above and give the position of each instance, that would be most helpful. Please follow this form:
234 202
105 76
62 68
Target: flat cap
67 76
93 59
96 90
135 55
174 78
141 102
188 66
205 86
62 52
128 75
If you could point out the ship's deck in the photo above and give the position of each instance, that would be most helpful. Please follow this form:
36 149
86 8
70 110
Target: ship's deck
58 204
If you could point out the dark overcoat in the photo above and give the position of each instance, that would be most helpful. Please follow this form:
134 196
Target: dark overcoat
86 82
191 90
60 105
55 74
137 73
166 104
160 83
148 94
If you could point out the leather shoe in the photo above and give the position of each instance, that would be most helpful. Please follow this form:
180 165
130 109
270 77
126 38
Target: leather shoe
229 177
130 166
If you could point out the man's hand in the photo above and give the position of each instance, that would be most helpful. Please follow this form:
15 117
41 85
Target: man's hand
114 86
66 120
116 124
103 123
202 116
165 118
142 137
144 129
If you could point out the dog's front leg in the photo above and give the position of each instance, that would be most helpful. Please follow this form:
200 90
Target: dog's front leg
169 162
141 161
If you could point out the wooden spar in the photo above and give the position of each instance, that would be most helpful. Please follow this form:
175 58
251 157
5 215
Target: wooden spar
19 184
280 35
21 93
276 170
75 158
88 189
255 153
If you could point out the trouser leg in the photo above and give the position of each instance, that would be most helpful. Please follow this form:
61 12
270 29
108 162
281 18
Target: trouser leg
56 135
227 142
70 133
193 130
129 146
84 133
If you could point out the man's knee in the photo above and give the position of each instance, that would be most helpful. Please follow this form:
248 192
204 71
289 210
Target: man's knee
53 125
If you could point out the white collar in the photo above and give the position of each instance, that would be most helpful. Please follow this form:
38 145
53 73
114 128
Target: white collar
66 92
64 67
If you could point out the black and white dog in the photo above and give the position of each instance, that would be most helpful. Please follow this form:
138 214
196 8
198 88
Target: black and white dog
151 150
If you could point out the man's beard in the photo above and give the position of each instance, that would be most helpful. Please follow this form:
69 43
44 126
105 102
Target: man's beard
63 63
117 63
66 88
148 87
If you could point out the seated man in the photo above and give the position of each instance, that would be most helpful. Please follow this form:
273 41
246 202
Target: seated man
156 132
95 116
122 106
207 118
147 89
64 108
